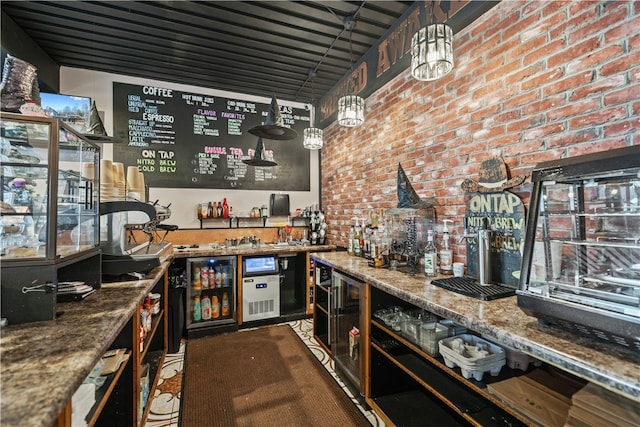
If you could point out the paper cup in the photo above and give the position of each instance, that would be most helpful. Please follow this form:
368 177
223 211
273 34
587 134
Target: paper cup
458 269
106 172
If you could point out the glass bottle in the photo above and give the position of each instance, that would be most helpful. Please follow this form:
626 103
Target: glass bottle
430 256
197 310
225 208
224 311
357 250
206 308
350 243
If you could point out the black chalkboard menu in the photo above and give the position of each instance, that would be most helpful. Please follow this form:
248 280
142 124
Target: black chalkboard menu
187 140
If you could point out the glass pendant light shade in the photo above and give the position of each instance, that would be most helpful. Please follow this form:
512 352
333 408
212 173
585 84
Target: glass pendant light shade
432 52
313 138
350 111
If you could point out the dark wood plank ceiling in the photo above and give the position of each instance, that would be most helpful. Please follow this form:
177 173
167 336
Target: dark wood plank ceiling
255 47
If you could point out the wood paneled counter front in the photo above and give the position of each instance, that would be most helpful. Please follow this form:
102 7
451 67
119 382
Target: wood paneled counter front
44 363
611 366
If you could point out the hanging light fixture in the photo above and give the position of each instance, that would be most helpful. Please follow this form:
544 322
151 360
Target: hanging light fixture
350 107
313 138
432 51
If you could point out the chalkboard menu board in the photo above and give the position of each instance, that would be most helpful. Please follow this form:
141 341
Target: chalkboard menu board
186 140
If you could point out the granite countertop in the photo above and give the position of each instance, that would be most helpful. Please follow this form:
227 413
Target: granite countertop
611 366
43 363
210 249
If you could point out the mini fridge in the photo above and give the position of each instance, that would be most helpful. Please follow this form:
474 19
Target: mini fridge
347 319
211 295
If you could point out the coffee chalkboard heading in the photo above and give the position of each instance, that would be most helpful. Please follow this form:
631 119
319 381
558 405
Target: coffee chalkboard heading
187 140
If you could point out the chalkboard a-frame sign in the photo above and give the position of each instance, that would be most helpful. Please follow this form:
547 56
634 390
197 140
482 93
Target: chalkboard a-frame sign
187 140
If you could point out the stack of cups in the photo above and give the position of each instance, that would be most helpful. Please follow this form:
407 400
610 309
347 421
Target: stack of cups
106 181
89 174
135 184
119 181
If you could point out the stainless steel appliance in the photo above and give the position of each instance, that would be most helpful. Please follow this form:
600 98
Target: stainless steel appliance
322 305
121 253
260 288
347 319
581 262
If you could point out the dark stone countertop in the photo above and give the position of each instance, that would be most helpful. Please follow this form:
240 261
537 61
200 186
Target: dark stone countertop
209 249
611 366
43 363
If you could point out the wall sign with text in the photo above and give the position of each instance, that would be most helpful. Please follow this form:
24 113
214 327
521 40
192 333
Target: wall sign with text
188 140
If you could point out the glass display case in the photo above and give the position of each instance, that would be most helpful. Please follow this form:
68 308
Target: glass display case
581 261
50 213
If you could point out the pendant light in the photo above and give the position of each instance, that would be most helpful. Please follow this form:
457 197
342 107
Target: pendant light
350 107
313 138
432 50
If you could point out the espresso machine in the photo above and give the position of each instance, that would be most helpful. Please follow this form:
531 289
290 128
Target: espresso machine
129 232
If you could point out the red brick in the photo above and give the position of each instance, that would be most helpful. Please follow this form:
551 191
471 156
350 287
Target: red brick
542 156
543 105
522 23
595 58
623 32
626 94
573 109
526 73
568 83
520 100
596 146
542 79
574 51
620 65
542 131
525 123
597 118
543 52
622 128
572 138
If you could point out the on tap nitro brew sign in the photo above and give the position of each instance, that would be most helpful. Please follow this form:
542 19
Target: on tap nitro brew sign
504 213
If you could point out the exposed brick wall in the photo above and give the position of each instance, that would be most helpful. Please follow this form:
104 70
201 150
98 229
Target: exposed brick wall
537 80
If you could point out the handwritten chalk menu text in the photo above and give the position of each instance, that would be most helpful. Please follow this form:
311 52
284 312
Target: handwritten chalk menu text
187 140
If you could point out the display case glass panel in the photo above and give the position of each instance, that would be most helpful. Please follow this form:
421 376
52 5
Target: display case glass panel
582 250
49 182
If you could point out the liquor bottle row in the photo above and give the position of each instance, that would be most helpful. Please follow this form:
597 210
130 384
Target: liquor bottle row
214 210
383 247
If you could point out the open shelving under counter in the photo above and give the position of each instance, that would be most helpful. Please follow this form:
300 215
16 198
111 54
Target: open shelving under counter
44 363
404 378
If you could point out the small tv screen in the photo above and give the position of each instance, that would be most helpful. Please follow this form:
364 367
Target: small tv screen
71 109
260 264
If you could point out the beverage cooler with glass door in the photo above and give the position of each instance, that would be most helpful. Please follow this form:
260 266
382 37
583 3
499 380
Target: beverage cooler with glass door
347 318
211 295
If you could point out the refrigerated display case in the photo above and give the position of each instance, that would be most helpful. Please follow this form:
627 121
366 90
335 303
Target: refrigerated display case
581 261
49 219
211 295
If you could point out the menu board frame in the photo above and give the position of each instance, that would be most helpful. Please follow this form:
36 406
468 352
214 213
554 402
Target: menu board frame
182 139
